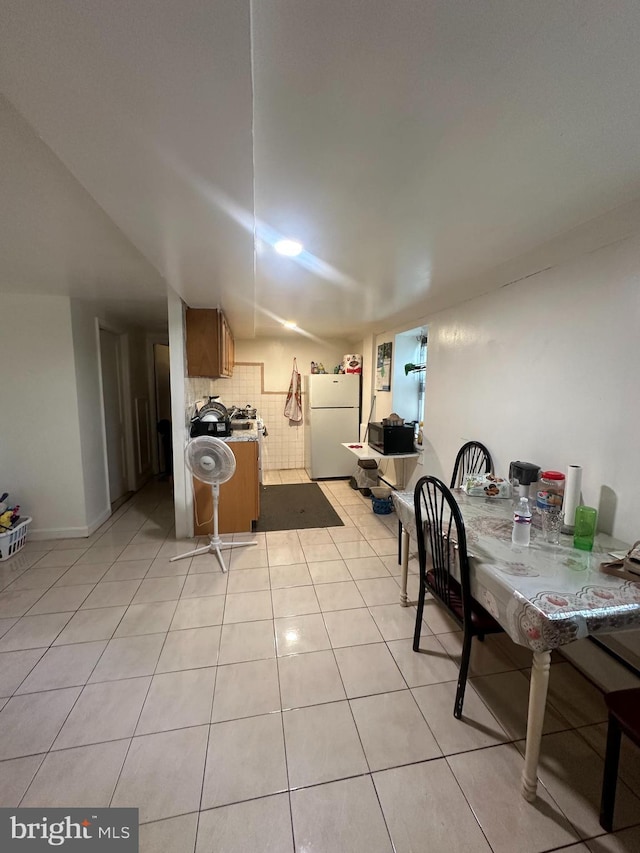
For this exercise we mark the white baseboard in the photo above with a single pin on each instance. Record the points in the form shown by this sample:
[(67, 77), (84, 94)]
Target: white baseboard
[(69, 532), (58, 533), (95, 524)]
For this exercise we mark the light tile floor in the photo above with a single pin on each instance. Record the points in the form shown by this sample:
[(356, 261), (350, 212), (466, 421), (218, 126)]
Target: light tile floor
[(284, 477), (281, 707)]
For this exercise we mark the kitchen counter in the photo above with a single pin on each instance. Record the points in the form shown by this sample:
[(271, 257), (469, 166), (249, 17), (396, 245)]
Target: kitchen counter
[(240, 496), (239, 435)]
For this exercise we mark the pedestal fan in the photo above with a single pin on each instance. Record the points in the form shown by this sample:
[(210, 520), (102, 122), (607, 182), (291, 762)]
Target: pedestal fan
[(211, 461)]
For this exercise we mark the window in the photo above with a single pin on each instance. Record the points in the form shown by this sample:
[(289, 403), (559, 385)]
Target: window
[(422, 373), (409, 374)]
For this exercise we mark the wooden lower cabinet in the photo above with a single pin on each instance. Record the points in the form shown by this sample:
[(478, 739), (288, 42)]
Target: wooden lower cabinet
[(239, 497)]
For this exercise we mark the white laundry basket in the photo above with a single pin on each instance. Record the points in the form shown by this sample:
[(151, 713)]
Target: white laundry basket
[(12, 541)]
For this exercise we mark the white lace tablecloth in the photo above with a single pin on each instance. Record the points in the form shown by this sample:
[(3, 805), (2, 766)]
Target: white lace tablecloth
[(543, 595)]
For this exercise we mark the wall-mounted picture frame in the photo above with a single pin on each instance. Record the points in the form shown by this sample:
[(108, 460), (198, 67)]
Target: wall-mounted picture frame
[(383, 367)]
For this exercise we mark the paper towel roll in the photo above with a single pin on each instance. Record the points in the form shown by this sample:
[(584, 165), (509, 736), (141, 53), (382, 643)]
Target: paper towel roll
[(572, 487)]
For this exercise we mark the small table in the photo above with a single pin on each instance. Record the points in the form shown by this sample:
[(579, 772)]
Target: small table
[(365, 451), (543, 595)]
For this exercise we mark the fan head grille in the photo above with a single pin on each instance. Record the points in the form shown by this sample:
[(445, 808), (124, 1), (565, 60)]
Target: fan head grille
[(210, 459)]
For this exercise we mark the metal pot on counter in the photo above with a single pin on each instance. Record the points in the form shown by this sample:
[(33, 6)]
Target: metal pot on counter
[(249, 412)]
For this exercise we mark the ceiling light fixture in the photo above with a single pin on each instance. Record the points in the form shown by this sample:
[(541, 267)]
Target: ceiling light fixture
[(288, 248), (289, 324)]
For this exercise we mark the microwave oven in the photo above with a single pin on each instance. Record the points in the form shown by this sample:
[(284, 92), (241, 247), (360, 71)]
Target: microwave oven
[(390, 439)]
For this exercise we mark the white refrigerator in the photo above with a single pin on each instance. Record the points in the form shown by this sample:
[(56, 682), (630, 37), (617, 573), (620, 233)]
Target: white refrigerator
[(331, 405)]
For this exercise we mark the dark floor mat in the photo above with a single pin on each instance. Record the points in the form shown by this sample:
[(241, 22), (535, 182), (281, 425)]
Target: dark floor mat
[(300, 505)]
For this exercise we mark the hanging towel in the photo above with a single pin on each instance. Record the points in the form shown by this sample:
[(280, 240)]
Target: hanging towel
[(293, 406)]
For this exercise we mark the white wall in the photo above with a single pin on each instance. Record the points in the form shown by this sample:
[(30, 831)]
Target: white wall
[(366, 348), (182, 494), (277, 354), (546, 370), (51, 451), (87, 375), (40, 455)]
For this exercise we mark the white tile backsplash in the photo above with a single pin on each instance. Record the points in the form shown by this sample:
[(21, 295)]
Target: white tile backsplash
[(283, 447)]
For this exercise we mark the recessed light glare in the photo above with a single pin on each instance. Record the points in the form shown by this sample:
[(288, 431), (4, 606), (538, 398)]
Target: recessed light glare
[(289, 324), (288, 248)]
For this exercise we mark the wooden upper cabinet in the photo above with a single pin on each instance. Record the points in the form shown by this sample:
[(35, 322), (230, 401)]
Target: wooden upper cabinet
[(210, 348), (228, 347)]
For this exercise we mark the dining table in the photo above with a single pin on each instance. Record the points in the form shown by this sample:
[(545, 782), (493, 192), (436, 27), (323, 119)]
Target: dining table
[(544, 595)]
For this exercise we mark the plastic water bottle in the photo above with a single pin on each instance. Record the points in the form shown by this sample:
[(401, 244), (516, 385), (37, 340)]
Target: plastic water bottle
[(521, 534)]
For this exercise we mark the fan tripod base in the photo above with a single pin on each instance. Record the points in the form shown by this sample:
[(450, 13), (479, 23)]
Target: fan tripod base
[(214, 547)]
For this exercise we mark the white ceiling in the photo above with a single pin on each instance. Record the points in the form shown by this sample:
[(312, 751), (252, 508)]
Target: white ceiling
[(417, 149), (55, 239)]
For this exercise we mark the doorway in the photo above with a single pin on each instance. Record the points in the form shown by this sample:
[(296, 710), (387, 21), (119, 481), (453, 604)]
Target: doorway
[(162, 381), (110, 364)]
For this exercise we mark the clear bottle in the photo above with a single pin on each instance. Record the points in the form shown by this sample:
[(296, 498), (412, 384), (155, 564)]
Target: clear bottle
[(521, 533), (551, 491)]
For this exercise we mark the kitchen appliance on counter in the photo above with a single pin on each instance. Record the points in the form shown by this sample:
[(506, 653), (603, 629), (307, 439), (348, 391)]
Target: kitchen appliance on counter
[(247, 413), (331, 416), (525, 473), (210, 419), (391, 439)]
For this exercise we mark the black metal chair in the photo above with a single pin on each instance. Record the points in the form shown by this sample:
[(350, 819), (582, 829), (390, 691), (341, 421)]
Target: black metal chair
[(472, 458), (624, 718), (440, 527)]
